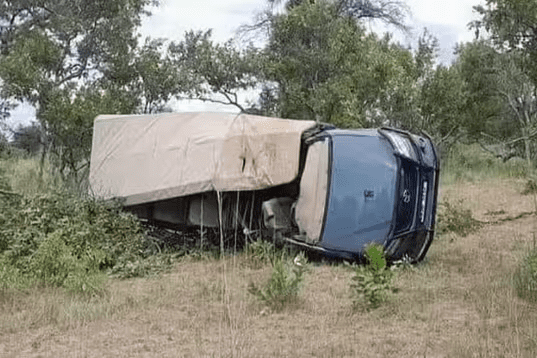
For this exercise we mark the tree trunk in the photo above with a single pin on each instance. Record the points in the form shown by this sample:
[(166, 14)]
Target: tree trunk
[(527, 151)]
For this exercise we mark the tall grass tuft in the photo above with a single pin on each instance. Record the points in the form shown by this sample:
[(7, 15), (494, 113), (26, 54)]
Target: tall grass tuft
[(525, 277)]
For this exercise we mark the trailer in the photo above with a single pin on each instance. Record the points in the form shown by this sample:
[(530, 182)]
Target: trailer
[(327, 189)]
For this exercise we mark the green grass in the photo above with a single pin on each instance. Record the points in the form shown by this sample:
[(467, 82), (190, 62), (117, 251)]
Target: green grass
[(470, 163)]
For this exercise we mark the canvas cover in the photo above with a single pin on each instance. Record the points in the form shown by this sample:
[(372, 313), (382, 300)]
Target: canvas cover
[(146, 158)]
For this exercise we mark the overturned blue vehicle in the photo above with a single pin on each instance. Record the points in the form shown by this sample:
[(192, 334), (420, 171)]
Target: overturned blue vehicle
[(331, 190), (381, 187)]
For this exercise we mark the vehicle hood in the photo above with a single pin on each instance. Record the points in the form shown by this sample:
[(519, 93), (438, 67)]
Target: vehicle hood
[(362, 192)]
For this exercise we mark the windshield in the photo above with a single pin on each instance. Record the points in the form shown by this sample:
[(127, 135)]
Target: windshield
[(362, 192)]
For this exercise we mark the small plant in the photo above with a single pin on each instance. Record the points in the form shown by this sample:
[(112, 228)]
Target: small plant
[(525, 277), (372, 283), (284, 284), (454, 217)]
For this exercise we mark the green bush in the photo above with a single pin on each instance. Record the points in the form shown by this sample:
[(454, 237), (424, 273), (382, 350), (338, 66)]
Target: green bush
[(58, 238), (285, 282), (525, 277), (53, 260), (372, 284)]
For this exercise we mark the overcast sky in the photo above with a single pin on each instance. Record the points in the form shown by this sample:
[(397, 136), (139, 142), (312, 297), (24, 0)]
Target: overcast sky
[(445, 19)]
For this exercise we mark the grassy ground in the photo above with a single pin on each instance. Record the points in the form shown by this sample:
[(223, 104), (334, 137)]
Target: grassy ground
[(459, 303)]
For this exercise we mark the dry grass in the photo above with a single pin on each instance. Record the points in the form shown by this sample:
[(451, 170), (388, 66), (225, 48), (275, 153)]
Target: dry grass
[(459, 303)]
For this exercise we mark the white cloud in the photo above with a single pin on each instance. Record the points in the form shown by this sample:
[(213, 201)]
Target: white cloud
[(449, 12), (174, 17)]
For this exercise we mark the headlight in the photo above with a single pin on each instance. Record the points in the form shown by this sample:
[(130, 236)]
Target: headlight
[(402, 145)]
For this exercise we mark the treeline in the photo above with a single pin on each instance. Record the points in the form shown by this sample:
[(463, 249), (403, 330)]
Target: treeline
[(75, 59)]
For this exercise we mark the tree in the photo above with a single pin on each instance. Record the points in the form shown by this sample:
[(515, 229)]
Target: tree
[(512, 25), (321, 64), (6, 107), (216, 72), (390, 12), (442, 104), (398, 98), (54, 51), (475, 61), (501, 98), (147, 75), (47, 44), (519, 93)]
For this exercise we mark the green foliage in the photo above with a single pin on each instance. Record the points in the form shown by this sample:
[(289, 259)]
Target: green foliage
[(475, 61), (509, 60), (157, 77), (58, 56), (511, 25), (372, 283), (525, 277), (325, 66), (285, 282), (12, 277), (54, 237), (217, 72), (28, 138), (442, 103), (454, 217)]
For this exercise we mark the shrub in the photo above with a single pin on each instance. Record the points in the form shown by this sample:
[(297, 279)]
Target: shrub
[(372, 283), (454, 217), (53, 260), (285, 282), (58, 238)]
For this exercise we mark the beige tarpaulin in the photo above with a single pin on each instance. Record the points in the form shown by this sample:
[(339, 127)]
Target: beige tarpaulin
[(145, 158)]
